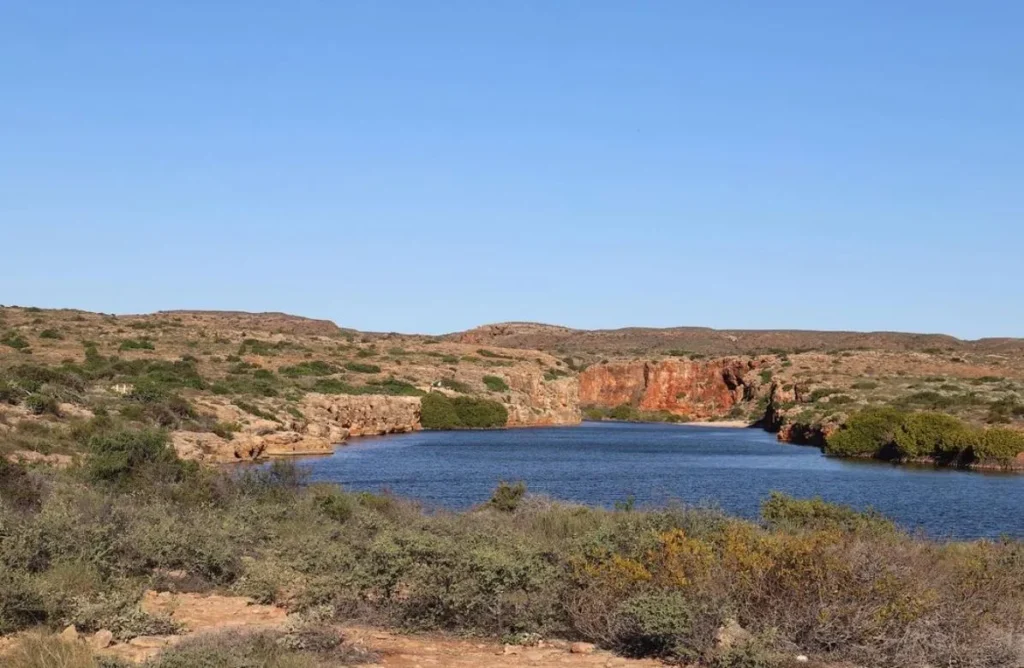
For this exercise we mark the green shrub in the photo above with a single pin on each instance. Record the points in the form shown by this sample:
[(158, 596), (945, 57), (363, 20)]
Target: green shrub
[(999, 444), (1004, 410), (929, 434), (477, 413), (18, 488), (392, 386), (766, 376), (483, 352), (360, 367), (661, 624), (51, 334), (333, 386), (314, 368), (39, 404), (136, 344), (928, 399), (125, 456), (622, 412), (263, 348), (864, 385), (14, 340), (253, 409), (506, 496), (496, 384), (820, 393), (333, 504), (300, 648), (438, 412), (747, 654), (226, 430), (866, 433), (455, 385), (784, 512)]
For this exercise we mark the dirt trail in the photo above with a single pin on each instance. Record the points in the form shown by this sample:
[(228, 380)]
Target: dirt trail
[(423, 651), (197, 613)]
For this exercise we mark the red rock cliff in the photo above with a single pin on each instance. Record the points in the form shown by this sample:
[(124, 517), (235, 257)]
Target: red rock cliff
[(695, 389)]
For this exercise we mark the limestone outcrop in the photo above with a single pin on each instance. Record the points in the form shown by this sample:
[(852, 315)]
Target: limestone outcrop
[(336, 417), (325, 421), (534, 401)]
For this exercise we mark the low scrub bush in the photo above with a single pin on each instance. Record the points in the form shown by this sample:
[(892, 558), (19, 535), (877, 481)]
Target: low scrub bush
[(496, 384), (361, 367), (19, 489), (263, 348), (784, 512), (302, 648), (506, 496), (136, 344), (40, 404), (313, 368), (661, 624), (14, 340), (125, 457), (455, 385)]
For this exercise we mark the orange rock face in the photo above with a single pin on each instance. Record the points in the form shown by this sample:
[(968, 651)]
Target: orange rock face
[(698, 390)]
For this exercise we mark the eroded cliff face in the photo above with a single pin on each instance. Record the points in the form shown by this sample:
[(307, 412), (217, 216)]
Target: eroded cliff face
[(695, 389), (533, 401)]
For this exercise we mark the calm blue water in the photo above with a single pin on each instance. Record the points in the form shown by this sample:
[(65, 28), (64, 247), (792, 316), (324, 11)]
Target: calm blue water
[(733, 469)]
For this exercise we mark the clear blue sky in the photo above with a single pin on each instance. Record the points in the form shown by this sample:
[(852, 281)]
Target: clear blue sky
[(429, 166)]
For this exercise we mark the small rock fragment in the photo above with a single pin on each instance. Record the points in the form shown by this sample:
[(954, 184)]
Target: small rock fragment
[(101, 639), (581, 648), (70, 633)]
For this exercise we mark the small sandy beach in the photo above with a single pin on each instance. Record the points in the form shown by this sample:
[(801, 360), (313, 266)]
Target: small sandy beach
[(731, 424)]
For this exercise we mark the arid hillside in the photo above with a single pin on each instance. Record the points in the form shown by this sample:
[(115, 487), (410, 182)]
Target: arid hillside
[(643, 341), (233, 386), (239, 386)]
